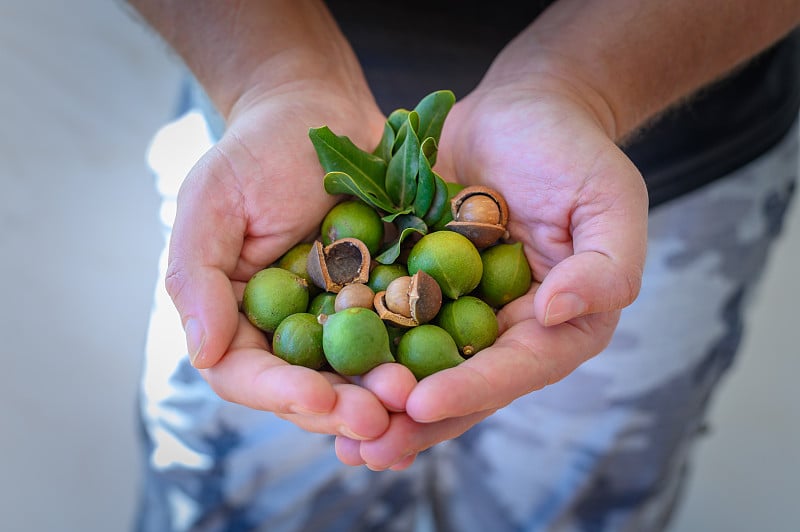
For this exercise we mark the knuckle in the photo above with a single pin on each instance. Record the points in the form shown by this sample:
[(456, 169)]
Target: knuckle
[(219, 385), (175, 280), (632, 284)]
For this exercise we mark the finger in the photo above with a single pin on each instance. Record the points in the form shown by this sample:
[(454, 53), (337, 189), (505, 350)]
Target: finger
[(249, 375), (405, 438), (205, 244), (527, 357), (347, 451), (317, 401), (405, 463), (259, 380), (392, 384), (609, 235), (357, 414)]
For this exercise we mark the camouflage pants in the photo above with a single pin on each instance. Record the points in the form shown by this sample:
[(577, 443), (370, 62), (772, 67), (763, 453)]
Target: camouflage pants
[(605, 449)]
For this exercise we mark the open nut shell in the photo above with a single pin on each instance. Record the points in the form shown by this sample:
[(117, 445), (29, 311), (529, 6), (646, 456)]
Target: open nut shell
[(383, 311), (425, 300), (481, 190), (481, 234), (342, 262), (425, 297)]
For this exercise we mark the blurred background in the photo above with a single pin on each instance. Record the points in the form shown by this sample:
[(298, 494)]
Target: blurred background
[(84, 87)]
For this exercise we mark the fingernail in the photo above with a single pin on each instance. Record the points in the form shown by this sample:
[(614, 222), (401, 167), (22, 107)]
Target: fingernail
[(563, 307), (346, 432), (303, 411), (403, 463), (195, 338)]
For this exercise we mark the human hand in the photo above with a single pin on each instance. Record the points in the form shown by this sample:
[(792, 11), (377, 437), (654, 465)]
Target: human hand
[(249, 199), (579, 207)]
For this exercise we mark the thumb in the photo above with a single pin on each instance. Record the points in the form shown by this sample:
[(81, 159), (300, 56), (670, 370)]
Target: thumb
[(204, 248), (206, 303), (586, 283), (605, 271)]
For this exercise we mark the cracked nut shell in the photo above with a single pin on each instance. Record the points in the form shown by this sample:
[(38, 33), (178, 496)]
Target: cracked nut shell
[(480, 214), (409, 301), (342, 262)]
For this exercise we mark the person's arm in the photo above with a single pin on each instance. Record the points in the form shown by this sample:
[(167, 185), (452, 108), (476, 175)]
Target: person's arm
[(543, 127), (241, 46), (632, 59), (273, 68), (624, 62), (242, 53)]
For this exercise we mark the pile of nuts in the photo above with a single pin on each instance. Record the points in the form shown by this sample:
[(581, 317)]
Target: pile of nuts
[(426, 295)]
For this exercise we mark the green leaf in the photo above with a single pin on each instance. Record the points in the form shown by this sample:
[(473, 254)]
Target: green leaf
[(389, 218), (409, 220), (407, 225), (384, 147), (339, 154), (439, 203), (432, 111), (401, 174), (397, 118), (431, 150), (453, 188), (413, 119), (426, 184), (428, 149), (365, 189)]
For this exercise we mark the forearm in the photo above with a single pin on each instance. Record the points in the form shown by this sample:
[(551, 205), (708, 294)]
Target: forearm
[(631, 59), (234, 46)]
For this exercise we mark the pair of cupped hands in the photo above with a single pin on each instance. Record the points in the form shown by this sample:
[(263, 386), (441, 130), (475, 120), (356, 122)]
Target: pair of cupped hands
[(576, 202)]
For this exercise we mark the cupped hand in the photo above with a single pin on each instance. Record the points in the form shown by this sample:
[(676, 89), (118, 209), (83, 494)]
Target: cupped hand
[(253, 196), (579, 207)]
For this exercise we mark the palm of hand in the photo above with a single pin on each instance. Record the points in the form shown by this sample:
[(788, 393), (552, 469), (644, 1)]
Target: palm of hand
[(249, 199), (579, 207), (258, 192)]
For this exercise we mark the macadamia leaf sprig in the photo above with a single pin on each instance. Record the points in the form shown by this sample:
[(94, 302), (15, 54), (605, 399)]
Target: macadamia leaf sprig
[(397, 177)]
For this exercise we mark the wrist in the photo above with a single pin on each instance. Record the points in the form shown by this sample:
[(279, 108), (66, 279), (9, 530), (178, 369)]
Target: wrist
[(248, 46), (296, 105), (306, 73), (629, 60), (550, 77)]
